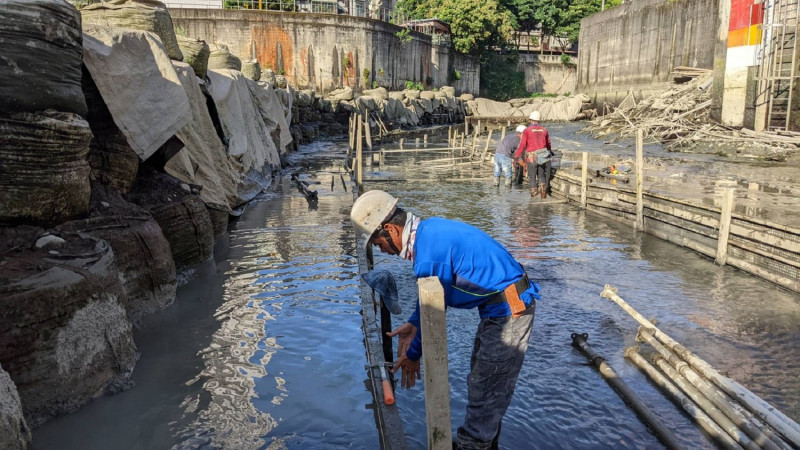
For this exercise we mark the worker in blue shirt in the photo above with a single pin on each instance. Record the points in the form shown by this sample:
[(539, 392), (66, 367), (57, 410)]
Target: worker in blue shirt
[(476, 272)]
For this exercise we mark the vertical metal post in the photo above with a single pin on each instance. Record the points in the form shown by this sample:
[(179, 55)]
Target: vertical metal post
[(434, 357), (724, 226), (639, 225), (584, 178)]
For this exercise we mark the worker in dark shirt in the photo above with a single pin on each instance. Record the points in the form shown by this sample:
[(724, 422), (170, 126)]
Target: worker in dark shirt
[(504, 156)]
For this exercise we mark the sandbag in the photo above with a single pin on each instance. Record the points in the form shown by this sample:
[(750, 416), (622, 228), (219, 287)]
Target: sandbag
[(45, 175), (195, 53), (182, 216), (64, 336), (222, 58), (14, 431), (142, 252), (252, 70), (114, 163), (145, 15), (40, 56), (187, 226)]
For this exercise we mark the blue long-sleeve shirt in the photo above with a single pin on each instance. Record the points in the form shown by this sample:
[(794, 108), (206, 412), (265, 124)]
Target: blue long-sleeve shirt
[(471, 266)]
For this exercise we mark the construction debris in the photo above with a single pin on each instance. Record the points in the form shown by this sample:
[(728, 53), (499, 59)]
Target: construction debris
[(679, 118)]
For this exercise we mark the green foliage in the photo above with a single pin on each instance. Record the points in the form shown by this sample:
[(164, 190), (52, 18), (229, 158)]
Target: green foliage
[(180, 31), (455, 75), (345, 61), (365, 74), (414, 85), (567, 60), (374, 85), (542, 95), (281, 72), (578, 9), (476, 25), (404, 35), (380, 71), (499, 77)]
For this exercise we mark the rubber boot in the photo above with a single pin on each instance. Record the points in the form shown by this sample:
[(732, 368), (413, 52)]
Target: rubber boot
[(534, 191), (508, 181), (543, 190), (497, 181)]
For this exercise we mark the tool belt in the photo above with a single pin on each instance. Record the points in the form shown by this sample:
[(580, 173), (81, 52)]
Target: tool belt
[(510, 295)]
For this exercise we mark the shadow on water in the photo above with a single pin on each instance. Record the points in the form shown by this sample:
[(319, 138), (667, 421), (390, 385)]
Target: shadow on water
[(264, 347)]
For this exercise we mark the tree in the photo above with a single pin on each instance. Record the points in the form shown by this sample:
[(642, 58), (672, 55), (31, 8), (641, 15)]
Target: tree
[(578, 9), (475, 25)]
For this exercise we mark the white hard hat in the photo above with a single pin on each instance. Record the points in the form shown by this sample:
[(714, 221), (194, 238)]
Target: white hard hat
[(521, 128), (535, 115), (370, 211)]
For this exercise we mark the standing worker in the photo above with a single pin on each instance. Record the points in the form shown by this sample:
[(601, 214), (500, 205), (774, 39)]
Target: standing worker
[(504, 154), (476, 272), (535, 144)]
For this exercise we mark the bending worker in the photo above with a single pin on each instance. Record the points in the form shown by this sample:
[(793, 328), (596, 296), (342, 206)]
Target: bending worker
[(476, 272), (504, 154), (535, 143)]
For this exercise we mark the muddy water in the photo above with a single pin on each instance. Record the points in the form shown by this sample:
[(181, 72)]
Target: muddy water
[(263, 348)]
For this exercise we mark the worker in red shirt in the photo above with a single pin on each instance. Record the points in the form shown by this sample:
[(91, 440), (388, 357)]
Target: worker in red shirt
[(534, 148)]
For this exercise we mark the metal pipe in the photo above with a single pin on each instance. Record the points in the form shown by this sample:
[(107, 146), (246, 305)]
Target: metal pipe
[(712, 393), (666, 435), (788, 428), (679, 398), (709, 408)]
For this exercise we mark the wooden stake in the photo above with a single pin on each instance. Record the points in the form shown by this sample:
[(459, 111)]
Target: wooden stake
[(358, 161), (639, 225), (434, 357), (367, 132), (724, 226), (584, 178)]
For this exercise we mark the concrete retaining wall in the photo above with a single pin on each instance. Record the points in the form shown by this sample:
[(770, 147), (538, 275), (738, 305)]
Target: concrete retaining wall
[(323, 51), (547, 74), (634, 46)]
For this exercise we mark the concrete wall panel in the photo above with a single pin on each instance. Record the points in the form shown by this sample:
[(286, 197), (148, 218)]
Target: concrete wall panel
[(634, 46), (324, 51)]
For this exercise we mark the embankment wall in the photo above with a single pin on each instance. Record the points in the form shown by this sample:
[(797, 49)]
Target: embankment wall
[(634, 46), (547, 73), (324, 51)]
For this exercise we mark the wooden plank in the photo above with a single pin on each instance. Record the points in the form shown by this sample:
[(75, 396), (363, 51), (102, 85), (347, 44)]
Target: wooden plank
[(724, 226), (434, 356), (359, 168)]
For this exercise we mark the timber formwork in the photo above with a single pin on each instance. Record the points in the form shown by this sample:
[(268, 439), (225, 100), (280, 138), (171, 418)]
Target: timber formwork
[(760, 247), (375, 321)]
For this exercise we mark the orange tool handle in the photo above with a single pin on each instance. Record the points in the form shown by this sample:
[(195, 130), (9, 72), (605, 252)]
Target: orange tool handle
[(388, 394)]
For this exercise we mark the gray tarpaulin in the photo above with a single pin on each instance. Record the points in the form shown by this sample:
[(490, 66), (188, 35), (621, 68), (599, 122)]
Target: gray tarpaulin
[(203, 160), (560, 109), (136, 79), (250, 147)]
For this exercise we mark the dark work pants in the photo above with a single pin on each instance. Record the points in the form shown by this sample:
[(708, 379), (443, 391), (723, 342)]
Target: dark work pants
[(500, 346), (539, 174)]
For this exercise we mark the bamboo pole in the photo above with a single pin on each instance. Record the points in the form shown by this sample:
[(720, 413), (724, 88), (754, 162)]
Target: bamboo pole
[(639, 224), (463, 148), (474, 142), (637, 404), (584, 178), (425, 140), (700, 418), (724, 226), (434, 356), (785, 426), (703, 402), (708, 391)]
